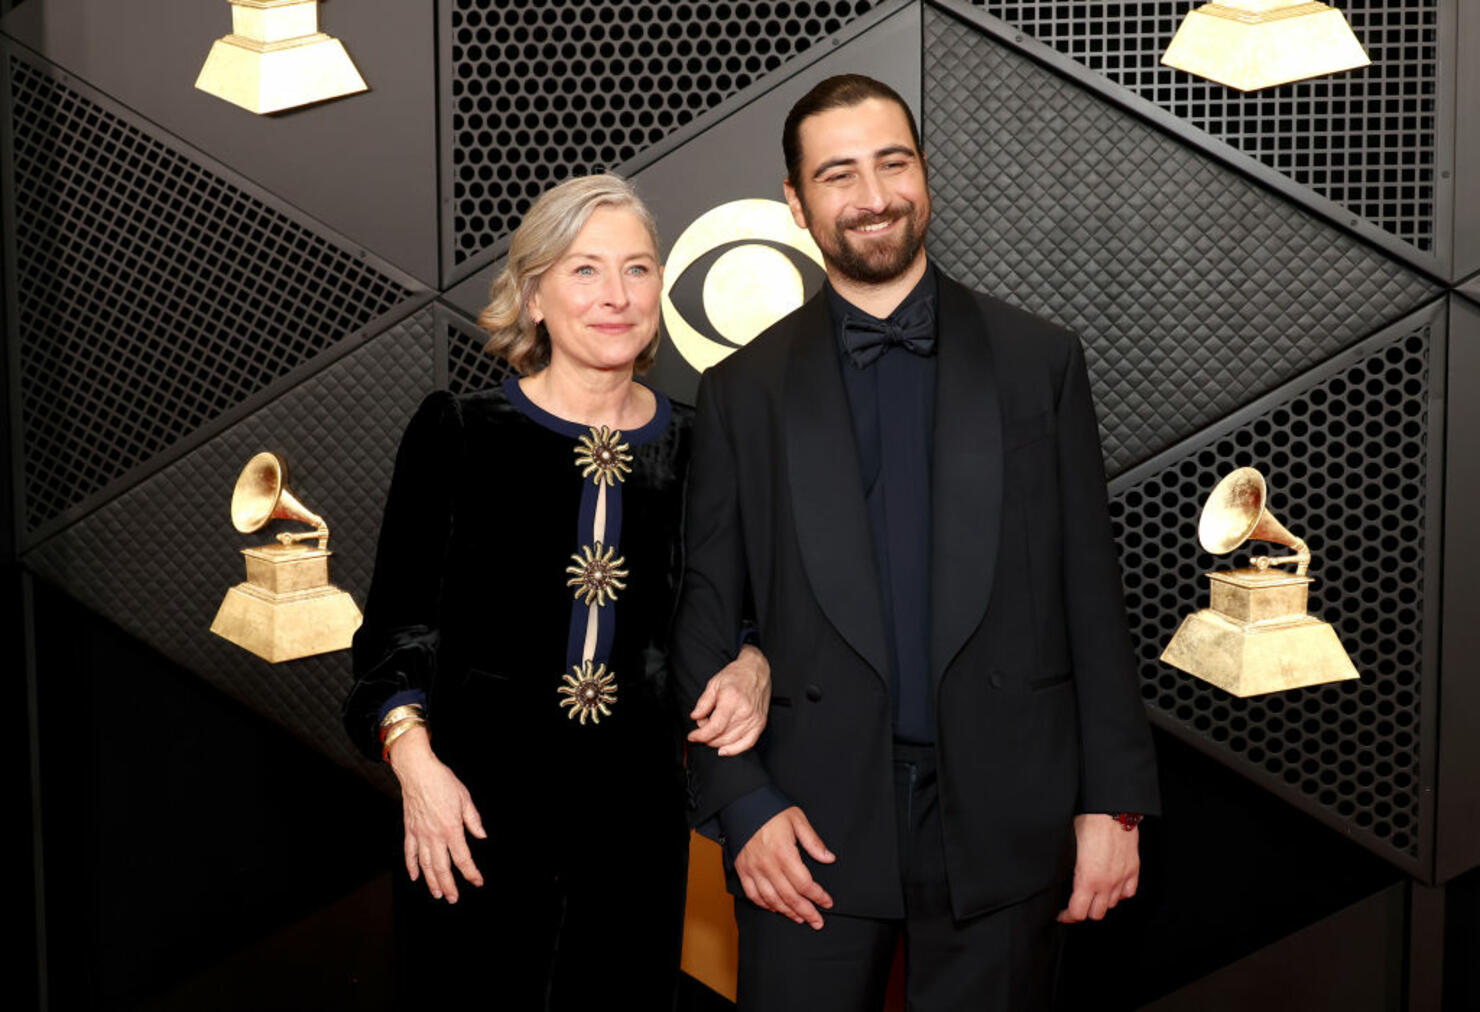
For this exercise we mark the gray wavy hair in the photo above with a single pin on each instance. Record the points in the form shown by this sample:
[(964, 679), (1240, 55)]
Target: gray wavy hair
[(549, 227)]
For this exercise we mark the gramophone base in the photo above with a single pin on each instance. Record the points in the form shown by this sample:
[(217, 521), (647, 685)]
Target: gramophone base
[(284, 627), (271, 77), (1252, 659), (1260, 51)]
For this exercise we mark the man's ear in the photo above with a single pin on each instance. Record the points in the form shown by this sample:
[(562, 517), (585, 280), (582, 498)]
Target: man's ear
[(794, 201)]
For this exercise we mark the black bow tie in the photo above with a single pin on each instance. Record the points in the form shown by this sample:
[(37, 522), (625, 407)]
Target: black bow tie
[(911, 327)]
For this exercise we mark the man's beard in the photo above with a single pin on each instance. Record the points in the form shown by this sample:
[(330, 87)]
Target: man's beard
[(876, 261)]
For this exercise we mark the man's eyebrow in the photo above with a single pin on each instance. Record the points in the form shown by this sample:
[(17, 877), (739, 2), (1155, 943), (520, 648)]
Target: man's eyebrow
[(893, 149), (832, 163)]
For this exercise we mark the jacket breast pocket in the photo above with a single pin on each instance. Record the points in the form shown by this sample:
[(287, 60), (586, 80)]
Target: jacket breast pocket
[(1018, 433), (1030, 457)]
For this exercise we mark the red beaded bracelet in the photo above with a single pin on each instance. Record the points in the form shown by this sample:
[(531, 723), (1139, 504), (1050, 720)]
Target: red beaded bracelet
[(1128, 820)]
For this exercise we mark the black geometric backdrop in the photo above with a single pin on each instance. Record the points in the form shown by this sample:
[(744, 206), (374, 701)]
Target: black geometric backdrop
[(1194, 289), (1346, 450), (1367, 139), (158, 558), (154, 293), (541, 92)]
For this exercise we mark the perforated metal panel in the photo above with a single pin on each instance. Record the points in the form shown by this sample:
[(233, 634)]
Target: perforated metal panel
[(1346, 457), (543, 91), (1194, 289), (1367, 139), (153, 293), (338, 433)]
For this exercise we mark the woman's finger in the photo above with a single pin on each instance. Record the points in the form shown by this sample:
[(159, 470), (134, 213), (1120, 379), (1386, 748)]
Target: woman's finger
[(430, 872), (705, 702), (410, 847), (463, 859), (472, 819)]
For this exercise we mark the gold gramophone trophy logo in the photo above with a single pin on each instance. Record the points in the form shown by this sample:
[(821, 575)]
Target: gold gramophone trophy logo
[(287, 608), (1256, 635)]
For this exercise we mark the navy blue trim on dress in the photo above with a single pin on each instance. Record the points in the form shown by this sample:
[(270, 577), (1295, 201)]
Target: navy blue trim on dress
[(402, 698), (606, 616), (644, 433)]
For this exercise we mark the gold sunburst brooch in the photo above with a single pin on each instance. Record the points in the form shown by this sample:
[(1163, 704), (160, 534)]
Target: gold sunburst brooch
[(596, 575), (588, 692), (603, 456)]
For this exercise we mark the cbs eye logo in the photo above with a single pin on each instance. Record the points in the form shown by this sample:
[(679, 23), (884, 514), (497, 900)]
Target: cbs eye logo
[(749, 257)]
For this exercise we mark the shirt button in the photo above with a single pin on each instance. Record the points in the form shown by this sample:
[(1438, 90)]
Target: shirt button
[(998, 679), (814, 693)]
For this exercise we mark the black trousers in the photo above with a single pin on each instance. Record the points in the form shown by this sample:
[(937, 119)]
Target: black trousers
[(1004, 960)]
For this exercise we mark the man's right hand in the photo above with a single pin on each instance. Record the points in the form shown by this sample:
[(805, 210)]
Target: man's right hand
[(772, 872)]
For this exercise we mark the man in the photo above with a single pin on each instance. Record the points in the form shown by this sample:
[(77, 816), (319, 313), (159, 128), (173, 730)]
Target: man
[(906, 478)]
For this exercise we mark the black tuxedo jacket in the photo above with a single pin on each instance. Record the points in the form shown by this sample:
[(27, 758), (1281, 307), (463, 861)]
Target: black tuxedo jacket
[(1038, 715)]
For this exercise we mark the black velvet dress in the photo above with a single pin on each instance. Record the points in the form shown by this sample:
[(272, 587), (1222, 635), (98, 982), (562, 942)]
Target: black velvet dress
[(524, 583)]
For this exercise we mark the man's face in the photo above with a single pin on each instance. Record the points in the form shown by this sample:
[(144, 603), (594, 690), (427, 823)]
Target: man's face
[(862, 191)]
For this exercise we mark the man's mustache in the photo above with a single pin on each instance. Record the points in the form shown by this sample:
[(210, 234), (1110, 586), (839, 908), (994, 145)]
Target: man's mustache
[(891, 213)]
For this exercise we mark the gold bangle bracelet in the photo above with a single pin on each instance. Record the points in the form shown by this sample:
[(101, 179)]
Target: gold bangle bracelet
[(396, 732), (401, 713)]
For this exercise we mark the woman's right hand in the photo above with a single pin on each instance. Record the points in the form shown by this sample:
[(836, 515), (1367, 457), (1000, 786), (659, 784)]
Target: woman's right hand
[(436, 806)]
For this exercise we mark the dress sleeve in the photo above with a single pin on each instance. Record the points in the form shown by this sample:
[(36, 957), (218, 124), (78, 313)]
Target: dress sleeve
[(395, 648)]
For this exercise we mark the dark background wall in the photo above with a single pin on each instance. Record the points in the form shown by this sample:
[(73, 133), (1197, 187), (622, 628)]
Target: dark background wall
[(1286, 279)]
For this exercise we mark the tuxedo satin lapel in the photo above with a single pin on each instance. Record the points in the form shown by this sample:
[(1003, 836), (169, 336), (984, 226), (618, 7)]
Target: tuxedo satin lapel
[(827, 489), (966, 484)]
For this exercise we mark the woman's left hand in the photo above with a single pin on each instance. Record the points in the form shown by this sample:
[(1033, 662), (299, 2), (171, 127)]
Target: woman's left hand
[(731, 712)]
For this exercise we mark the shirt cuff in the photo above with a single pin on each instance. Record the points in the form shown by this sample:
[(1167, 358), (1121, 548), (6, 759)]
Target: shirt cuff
[(739, 820), (403, 698)]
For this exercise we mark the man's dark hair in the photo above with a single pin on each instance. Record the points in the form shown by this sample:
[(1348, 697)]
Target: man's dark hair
[(838, 92)]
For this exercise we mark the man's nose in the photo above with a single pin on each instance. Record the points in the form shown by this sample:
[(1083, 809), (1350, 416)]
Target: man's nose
[(871, 193)]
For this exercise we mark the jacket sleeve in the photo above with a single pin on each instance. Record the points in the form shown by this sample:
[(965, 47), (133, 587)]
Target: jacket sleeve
[(1119, 761), (395, 648), (711, 600)]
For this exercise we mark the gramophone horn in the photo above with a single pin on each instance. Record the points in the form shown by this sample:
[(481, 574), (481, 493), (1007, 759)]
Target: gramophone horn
[(1235, 512), (261, 495)]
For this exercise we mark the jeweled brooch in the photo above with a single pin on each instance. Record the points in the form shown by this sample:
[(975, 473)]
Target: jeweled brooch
[(604, 456), (597, 576), (589, 692)]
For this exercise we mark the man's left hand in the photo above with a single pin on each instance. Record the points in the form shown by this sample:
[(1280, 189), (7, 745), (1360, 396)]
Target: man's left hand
[(1106, 870)]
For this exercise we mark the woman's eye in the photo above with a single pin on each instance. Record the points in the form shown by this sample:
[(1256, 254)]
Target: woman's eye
[(585, 270), (638, 270)]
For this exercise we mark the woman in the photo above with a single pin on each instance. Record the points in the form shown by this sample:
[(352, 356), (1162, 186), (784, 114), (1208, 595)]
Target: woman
[(511, 663)]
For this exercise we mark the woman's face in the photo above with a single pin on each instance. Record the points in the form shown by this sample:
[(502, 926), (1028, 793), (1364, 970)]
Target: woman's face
[(599, 301)]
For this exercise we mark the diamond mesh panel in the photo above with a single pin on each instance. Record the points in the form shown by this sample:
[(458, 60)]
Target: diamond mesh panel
[(338, 433), (1366, 139), (1346, 459), (545, 91), (152, 294), (1194, 289), (469, 367)]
